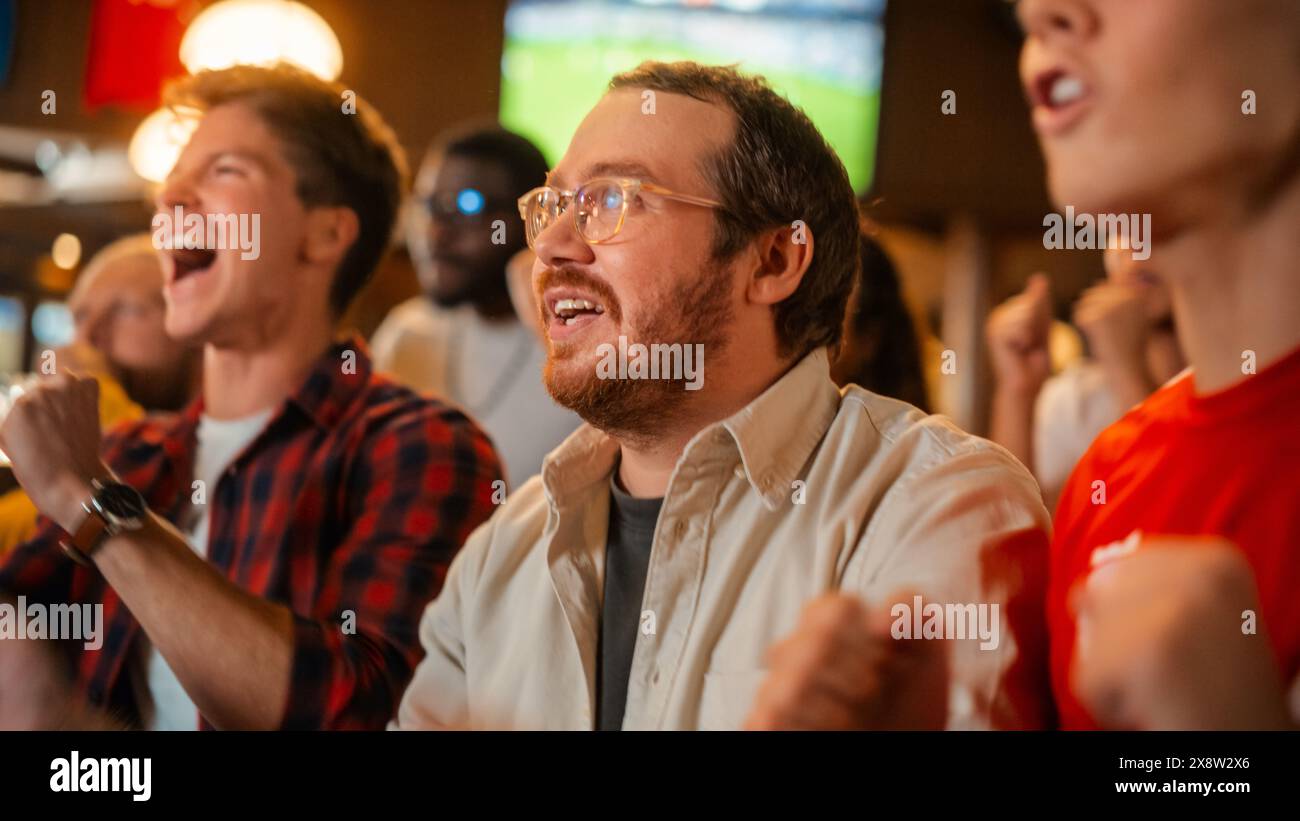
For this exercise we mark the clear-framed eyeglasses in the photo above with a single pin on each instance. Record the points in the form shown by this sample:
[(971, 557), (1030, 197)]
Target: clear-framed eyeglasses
[(602, 206)]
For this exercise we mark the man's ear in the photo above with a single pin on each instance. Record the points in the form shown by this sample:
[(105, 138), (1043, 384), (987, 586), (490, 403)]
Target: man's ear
[(331, 230), (784, 255)]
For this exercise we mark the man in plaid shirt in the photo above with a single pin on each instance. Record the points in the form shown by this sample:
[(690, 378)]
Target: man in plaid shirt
[(296, 519)]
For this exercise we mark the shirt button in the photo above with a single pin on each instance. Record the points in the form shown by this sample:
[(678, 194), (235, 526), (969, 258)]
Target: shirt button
[(679, 530), (654, 679), (740, 471)]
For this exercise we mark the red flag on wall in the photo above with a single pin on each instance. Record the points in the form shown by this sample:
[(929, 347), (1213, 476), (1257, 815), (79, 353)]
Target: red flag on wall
[(134, 48)]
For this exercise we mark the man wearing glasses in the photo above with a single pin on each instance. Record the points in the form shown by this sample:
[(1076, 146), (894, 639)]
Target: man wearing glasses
[(461, 338), (648, 577)]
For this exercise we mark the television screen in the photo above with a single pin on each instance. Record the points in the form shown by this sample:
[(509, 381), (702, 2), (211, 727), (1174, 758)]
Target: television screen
[(824, 55)]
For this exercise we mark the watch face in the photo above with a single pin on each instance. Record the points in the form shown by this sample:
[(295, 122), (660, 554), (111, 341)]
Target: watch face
[(120, 501)]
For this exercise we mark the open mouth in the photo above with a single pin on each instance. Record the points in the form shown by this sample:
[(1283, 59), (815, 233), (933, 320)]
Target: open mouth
[(191, 261), (570, 311), (1057, 89), (1060, 99)]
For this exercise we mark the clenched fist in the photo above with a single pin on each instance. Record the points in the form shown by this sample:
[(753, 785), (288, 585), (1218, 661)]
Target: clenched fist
[(1017, 333), (52, 438), (842, 670), (1161, 645), (1113, 318)]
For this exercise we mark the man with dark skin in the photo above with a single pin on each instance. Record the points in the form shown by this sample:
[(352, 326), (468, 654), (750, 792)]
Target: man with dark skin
[(461, 338)]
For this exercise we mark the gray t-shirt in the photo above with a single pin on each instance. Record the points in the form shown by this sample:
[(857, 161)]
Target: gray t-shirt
[(627, 557)]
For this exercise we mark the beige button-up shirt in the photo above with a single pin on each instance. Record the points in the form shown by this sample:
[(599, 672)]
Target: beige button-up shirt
[(806, 490)]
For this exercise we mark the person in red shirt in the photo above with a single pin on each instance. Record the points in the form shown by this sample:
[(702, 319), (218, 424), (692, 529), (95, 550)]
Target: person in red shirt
[(1176, 559)]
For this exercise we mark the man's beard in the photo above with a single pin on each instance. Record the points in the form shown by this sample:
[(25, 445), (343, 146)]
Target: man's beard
[(697, 312)]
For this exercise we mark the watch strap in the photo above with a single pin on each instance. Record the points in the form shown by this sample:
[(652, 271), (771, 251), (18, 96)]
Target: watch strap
[(88, 536)]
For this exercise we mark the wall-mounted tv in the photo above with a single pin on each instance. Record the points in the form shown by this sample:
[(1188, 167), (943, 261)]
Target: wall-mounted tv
[(824, 55)]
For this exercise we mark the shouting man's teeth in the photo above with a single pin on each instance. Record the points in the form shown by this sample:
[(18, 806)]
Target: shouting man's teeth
[(568, 309), (1066, 89)]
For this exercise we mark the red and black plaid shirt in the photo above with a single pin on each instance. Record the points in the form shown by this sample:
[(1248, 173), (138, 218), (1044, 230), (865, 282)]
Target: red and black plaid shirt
[(354, 498)]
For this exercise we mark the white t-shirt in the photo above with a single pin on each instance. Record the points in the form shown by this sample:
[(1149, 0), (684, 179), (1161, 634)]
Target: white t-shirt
[(1071, 410), (219, 442), (491, 369)]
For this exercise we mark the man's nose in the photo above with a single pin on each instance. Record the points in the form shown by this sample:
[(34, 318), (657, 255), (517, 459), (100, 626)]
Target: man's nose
[(1057, 19), (439, 231), (177, 189), (559, 243), (95, 330)]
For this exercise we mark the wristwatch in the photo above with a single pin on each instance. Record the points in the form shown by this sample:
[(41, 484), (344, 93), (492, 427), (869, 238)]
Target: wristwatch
[(113, 508)]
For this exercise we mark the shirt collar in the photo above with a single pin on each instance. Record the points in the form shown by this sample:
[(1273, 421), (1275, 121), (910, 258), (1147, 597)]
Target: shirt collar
[(586, 457), (334, 382), (775, 434), (778, 431)]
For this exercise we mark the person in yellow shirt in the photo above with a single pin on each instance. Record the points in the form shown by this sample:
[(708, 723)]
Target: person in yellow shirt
[(117, 309)]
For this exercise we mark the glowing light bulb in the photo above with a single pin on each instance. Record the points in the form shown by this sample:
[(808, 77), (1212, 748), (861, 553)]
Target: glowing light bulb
[(261, 32), (66, 251)]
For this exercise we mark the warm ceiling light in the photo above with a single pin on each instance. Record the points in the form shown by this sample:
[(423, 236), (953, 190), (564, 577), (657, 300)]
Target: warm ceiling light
[(261, 32), (158, 141), (66, 251)]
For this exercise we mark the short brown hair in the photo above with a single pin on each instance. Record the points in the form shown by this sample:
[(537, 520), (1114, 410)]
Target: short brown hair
[(339, 158), (776, 170)]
